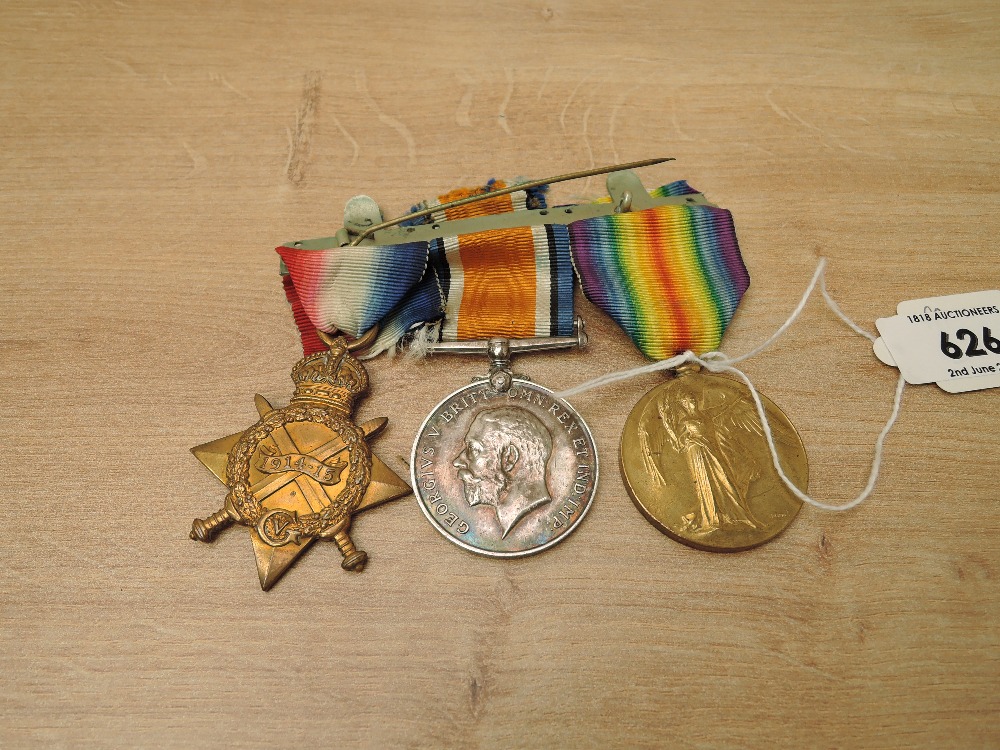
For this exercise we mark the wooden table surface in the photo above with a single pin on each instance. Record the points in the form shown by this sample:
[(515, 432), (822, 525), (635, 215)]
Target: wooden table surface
[(153, 154)]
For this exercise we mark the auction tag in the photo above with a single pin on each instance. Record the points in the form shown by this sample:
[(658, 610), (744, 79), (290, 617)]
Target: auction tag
[(953, 341)]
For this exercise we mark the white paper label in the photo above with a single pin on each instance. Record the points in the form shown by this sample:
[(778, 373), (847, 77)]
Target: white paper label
[(953, 341)]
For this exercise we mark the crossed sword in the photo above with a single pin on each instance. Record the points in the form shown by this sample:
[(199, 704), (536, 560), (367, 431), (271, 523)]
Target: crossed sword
[(205, 529)]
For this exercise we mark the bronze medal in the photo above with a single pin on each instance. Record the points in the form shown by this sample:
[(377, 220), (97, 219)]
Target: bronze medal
[(302, 471), (697, 464)]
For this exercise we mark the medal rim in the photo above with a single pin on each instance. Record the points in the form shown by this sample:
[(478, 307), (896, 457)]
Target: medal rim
[(662, 527), (493, 553)]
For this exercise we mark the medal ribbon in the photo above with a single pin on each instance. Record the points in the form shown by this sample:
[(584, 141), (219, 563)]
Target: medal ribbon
[(671, 276)]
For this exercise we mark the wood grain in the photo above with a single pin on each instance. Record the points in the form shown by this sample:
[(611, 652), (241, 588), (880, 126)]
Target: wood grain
[(154, 153)]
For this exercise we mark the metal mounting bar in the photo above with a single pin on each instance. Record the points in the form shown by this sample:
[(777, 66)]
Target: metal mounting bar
[(536, 344), (507, 191)]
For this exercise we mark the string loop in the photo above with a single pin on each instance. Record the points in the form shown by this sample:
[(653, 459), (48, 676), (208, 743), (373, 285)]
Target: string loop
[(716, 361)]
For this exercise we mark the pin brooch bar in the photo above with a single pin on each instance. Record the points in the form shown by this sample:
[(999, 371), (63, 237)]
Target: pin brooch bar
[(624, 187), (507, 191)]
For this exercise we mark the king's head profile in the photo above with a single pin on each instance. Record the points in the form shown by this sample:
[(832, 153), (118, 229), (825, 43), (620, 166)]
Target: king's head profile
[(504, 464)]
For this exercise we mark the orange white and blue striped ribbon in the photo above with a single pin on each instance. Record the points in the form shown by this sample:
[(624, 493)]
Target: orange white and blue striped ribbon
[(503, 282)]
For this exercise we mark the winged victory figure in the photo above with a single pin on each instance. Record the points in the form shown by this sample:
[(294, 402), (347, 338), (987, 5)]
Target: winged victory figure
[(710, 430)]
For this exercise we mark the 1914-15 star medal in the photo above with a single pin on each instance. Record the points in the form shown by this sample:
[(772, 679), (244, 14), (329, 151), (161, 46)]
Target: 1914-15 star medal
[(303, 470)]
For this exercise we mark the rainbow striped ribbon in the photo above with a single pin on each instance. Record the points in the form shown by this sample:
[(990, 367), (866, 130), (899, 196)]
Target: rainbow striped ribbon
[(670, 276)]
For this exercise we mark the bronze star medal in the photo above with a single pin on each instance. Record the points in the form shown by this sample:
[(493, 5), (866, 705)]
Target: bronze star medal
[(303, 470)]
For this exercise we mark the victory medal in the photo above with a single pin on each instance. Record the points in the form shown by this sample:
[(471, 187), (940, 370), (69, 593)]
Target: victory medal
[(698, 467), (302, 471)]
